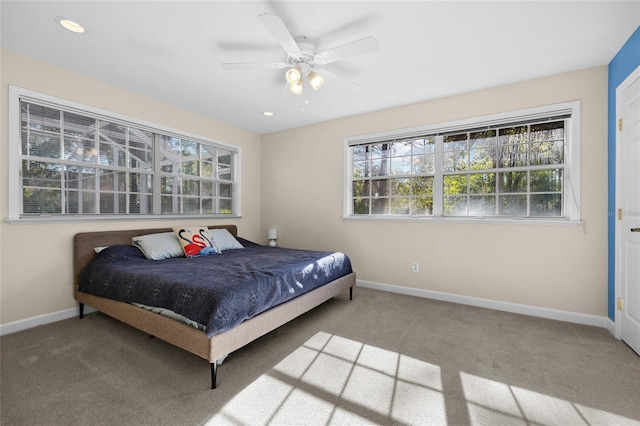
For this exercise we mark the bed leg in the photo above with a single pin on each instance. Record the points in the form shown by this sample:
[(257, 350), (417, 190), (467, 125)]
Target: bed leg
[(81, 306), (214, 374), (350, 293)]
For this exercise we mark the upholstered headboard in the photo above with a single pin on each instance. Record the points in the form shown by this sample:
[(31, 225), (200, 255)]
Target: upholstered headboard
[(84, 243)]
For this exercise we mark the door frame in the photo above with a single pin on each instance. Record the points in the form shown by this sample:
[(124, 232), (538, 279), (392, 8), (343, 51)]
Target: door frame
[(635, 74)]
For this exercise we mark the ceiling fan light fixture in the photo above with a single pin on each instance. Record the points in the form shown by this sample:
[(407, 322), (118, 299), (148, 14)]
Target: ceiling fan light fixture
[(315, 80), (293, 75), (296, 88)]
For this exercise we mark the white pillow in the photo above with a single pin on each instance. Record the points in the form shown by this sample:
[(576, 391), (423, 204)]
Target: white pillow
[(224, 240), (163, 245)]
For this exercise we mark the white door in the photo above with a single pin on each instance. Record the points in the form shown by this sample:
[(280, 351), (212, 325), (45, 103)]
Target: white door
[(628, 220)]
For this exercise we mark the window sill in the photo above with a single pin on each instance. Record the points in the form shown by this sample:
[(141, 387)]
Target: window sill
[(469, 220), (105, 218)]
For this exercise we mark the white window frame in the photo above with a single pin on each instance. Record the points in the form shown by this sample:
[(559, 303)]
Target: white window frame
[(17, 94), (571, 189)]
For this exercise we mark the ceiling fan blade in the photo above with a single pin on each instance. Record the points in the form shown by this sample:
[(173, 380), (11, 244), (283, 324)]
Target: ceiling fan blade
[(346, 51), (282, 35), (254, 65)]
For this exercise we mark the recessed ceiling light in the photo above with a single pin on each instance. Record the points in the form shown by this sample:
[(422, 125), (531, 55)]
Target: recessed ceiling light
[(70, 25), (268, 114)]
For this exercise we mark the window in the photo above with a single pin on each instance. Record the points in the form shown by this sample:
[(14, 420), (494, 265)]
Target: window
[(522, 165), (76, 161)]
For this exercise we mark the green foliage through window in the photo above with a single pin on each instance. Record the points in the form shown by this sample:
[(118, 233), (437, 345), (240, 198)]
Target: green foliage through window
[(500, 171)]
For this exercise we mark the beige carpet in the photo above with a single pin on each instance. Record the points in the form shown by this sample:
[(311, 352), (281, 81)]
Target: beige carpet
[(380, 359)]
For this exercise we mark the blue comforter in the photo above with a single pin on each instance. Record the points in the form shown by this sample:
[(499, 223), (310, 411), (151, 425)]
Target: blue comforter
[(219, 291)]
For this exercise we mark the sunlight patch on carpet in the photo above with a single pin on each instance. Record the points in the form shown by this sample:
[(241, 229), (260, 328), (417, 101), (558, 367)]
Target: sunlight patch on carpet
[(492, 402), (331, 380), (334, 380)]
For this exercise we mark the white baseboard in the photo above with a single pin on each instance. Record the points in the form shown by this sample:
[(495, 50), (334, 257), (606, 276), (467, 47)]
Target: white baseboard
[(516, 308), (15, 326), (494, 304)]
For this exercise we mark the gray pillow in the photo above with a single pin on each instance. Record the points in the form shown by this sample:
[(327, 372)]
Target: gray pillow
[(159, 246)]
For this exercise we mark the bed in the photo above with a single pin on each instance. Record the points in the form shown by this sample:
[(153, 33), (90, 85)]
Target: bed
[(207, 343)]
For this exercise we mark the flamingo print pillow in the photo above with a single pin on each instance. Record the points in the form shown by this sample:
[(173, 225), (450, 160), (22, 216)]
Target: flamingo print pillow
[(196, 241)]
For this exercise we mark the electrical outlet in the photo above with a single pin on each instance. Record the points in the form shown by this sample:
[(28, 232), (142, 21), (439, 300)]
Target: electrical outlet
[(415, 267)]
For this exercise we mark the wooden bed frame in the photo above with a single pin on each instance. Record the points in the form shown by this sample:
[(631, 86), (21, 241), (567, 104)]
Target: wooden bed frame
[(180, 334)]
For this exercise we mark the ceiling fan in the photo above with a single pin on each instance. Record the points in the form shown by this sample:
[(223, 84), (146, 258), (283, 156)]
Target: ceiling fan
[(302, 61)]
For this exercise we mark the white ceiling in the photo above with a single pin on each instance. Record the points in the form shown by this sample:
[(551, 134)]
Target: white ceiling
[(172, 50)]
